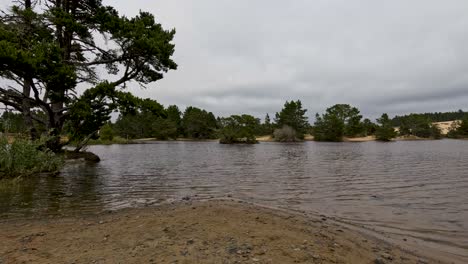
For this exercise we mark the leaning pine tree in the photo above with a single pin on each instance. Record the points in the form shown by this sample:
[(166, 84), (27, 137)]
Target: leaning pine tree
[(48, 48), (385, 130)]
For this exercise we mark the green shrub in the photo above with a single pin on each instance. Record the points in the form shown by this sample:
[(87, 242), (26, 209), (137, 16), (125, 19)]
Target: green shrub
[(23, 158), (238, 129), (106, 133), (385, 130), (459, 129), (285, 134), (99, 141)]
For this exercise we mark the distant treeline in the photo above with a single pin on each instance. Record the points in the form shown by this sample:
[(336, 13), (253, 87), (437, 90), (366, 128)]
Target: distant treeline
[(149, 119), (433, 117)]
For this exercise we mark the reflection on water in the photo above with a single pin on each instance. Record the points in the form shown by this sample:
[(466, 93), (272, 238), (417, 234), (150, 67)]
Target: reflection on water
[(415, 188)]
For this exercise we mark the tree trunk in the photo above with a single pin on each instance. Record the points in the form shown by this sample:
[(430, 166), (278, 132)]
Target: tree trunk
[(26, 107)]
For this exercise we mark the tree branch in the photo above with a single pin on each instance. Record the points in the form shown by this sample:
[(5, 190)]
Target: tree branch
[(9, 103)]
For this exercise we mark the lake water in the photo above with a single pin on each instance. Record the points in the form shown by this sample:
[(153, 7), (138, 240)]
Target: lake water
[(418, 189)]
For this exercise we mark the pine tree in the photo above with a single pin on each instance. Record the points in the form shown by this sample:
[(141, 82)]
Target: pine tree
[(385, 130), (47, 50), (293, 115)]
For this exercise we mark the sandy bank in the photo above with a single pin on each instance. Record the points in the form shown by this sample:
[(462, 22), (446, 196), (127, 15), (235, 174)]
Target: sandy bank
[(199, 232), (269, 138), (446, 126), (359, 139), (143, 140)]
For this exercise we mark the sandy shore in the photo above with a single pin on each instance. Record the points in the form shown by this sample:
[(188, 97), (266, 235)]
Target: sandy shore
[(446, 126), (359, 139), (198, 232)]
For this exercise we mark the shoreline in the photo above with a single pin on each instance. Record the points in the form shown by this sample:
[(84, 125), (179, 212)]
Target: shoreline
[(270, 139), (210, 231)]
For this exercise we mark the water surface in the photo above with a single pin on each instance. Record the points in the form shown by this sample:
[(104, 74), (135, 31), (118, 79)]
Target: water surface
[(415, 188)]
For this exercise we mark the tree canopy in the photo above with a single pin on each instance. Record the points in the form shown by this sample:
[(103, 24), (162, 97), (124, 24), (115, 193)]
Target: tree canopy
[(198, 123), (385, 130), (459, 129), (46, 51), (293, 115), (420, 126), (239, 129), (432, 117), (338, 121)]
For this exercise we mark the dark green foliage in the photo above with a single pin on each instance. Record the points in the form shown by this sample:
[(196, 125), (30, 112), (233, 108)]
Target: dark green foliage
[(293, 115), (130, 126), (418, 125), (175, 116), (145, 125), (432, 117), (328, 127), (164, 128), (369, 128), (239, 129), (23, 158), (147, 119), (338, 121), (459, 129), (47, 51), (267, 127), (93, 110), (354, 126), (463, 128), (385, 130), (436, 133), (106, 132), (151, 120), (11, 122), (14, 122), (199, 124)]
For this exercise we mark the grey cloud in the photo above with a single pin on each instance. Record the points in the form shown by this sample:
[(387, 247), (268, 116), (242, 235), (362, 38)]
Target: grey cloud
[(250, 56)]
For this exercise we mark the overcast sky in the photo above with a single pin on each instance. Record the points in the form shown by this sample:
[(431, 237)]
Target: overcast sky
[(234, 56)]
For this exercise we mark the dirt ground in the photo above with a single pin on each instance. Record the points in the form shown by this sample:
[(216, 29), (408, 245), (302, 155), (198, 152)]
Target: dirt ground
[(194, 232)]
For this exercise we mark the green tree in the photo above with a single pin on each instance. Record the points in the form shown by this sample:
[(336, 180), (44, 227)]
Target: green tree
[(24, 158), (142, 119), (433, 117), (267, 126), (368, 127), (293, 115), (106, 133), (46, 51), (436, 133), (198, 123), (87, 116), (164, 128), (418, 125), (385, 130), (328, 127), (338, 121), (13, 123), (239, 129), (459, 129), (175, 116), (462, 130)]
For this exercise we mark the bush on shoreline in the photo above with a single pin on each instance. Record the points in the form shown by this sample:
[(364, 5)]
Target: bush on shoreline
[(385, 130), (115, 140), (24, 158), (459, 129), (238, 129), (286, 134)]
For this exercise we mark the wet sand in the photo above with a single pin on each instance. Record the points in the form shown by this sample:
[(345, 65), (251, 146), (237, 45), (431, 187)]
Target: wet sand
[(196, 232)]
